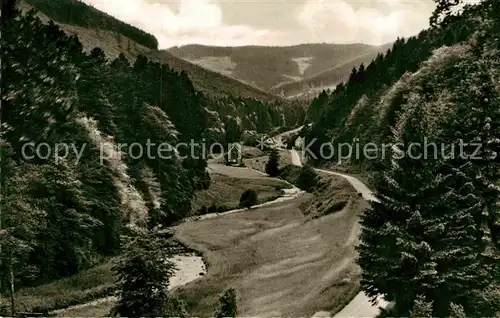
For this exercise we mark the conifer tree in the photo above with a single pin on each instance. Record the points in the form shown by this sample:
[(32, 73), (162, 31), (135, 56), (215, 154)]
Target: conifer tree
[(422, 235), (144, 272), (272, 165), (442, 11), (421, 308)]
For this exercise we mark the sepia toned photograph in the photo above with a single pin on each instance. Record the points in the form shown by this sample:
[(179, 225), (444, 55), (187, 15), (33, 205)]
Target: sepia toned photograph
[(250, 158)]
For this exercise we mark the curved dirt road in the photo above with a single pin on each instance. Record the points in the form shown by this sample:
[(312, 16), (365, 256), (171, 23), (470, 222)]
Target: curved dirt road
[(360, 306)]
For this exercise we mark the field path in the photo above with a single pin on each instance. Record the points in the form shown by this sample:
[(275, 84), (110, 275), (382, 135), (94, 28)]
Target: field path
[(360, 306)]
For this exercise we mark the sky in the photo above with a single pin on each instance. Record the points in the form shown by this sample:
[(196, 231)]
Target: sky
[(276, 23)]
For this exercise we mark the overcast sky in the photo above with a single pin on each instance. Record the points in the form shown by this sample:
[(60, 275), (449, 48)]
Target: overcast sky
[(262, 22)]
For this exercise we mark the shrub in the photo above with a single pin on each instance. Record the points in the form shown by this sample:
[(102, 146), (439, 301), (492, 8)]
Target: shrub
[(337, 206), (175, 308), (248, 199), (228, 307), (203, 210), (212, 209), (308, 179)]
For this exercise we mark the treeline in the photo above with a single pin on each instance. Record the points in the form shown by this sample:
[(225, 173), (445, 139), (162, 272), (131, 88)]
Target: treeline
[(237, 115), (350, 110), (430, 243), (75, 12)]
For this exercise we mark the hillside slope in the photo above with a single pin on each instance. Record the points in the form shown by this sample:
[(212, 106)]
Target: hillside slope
[(267, 67), (327, 79), (424, 122), (113, 43)]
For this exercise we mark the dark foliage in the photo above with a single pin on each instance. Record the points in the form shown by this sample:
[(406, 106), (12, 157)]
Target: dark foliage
[(272, 165), (248, 199), (308, 179), (228, 307), (144, 272)]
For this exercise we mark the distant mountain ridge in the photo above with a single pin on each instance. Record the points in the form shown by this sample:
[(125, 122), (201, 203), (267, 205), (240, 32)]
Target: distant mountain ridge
[(115, 41), (282, 70), (327, 79)]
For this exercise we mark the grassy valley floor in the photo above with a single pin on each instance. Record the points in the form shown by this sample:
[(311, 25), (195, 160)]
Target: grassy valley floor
[(281, 261), (289, 258)]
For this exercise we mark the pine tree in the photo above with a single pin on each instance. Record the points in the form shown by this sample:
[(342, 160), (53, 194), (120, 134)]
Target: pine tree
[(144, 272), (457, 311), (443, 11), (421, 238), (421, 308), (272, 165)]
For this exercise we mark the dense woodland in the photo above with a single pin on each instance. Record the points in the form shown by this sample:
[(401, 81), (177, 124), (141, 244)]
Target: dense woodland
[(62, 216), (431, 244)]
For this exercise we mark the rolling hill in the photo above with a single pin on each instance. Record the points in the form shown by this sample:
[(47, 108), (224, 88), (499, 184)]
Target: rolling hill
[(113, 43), (271, 67), (328, 79)]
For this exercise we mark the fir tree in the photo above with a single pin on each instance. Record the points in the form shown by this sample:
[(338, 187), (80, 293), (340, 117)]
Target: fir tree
[(144, 272), (421, 308), (272, 165)]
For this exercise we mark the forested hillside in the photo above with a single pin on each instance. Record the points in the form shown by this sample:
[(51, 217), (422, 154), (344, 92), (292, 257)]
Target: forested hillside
[(95, 28), (431, 242), (73, 176), (269, 66), (308, 87), (61, 214), (229, 104)]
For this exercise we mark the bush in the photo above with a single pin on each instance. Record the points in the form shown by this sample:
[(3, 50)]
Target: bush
[(212, 209), (337, 206), (308, 179), (248, 199), (228, 307), (203, 210), (175, 308), (223, 208)]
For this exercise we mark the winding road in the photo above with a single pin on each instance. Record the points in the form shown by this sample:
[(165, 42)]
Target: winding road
[(360, 306)]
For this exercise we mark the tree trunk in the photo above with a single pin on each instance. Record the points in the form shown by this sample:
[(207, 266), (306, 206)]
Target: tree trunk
[(11, 271)]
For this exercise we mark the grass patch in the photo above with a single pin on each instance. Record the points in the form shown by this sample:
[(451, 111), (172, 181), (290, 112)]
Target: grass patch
[(259, 163), (225, 192), (86, 286), (290, 173), (279, 261)]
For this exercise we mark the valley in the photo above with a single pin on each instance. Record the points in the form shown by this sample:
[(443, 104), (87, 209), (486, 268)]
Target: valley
[(263, 249), (305, 69), (278, 221)]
